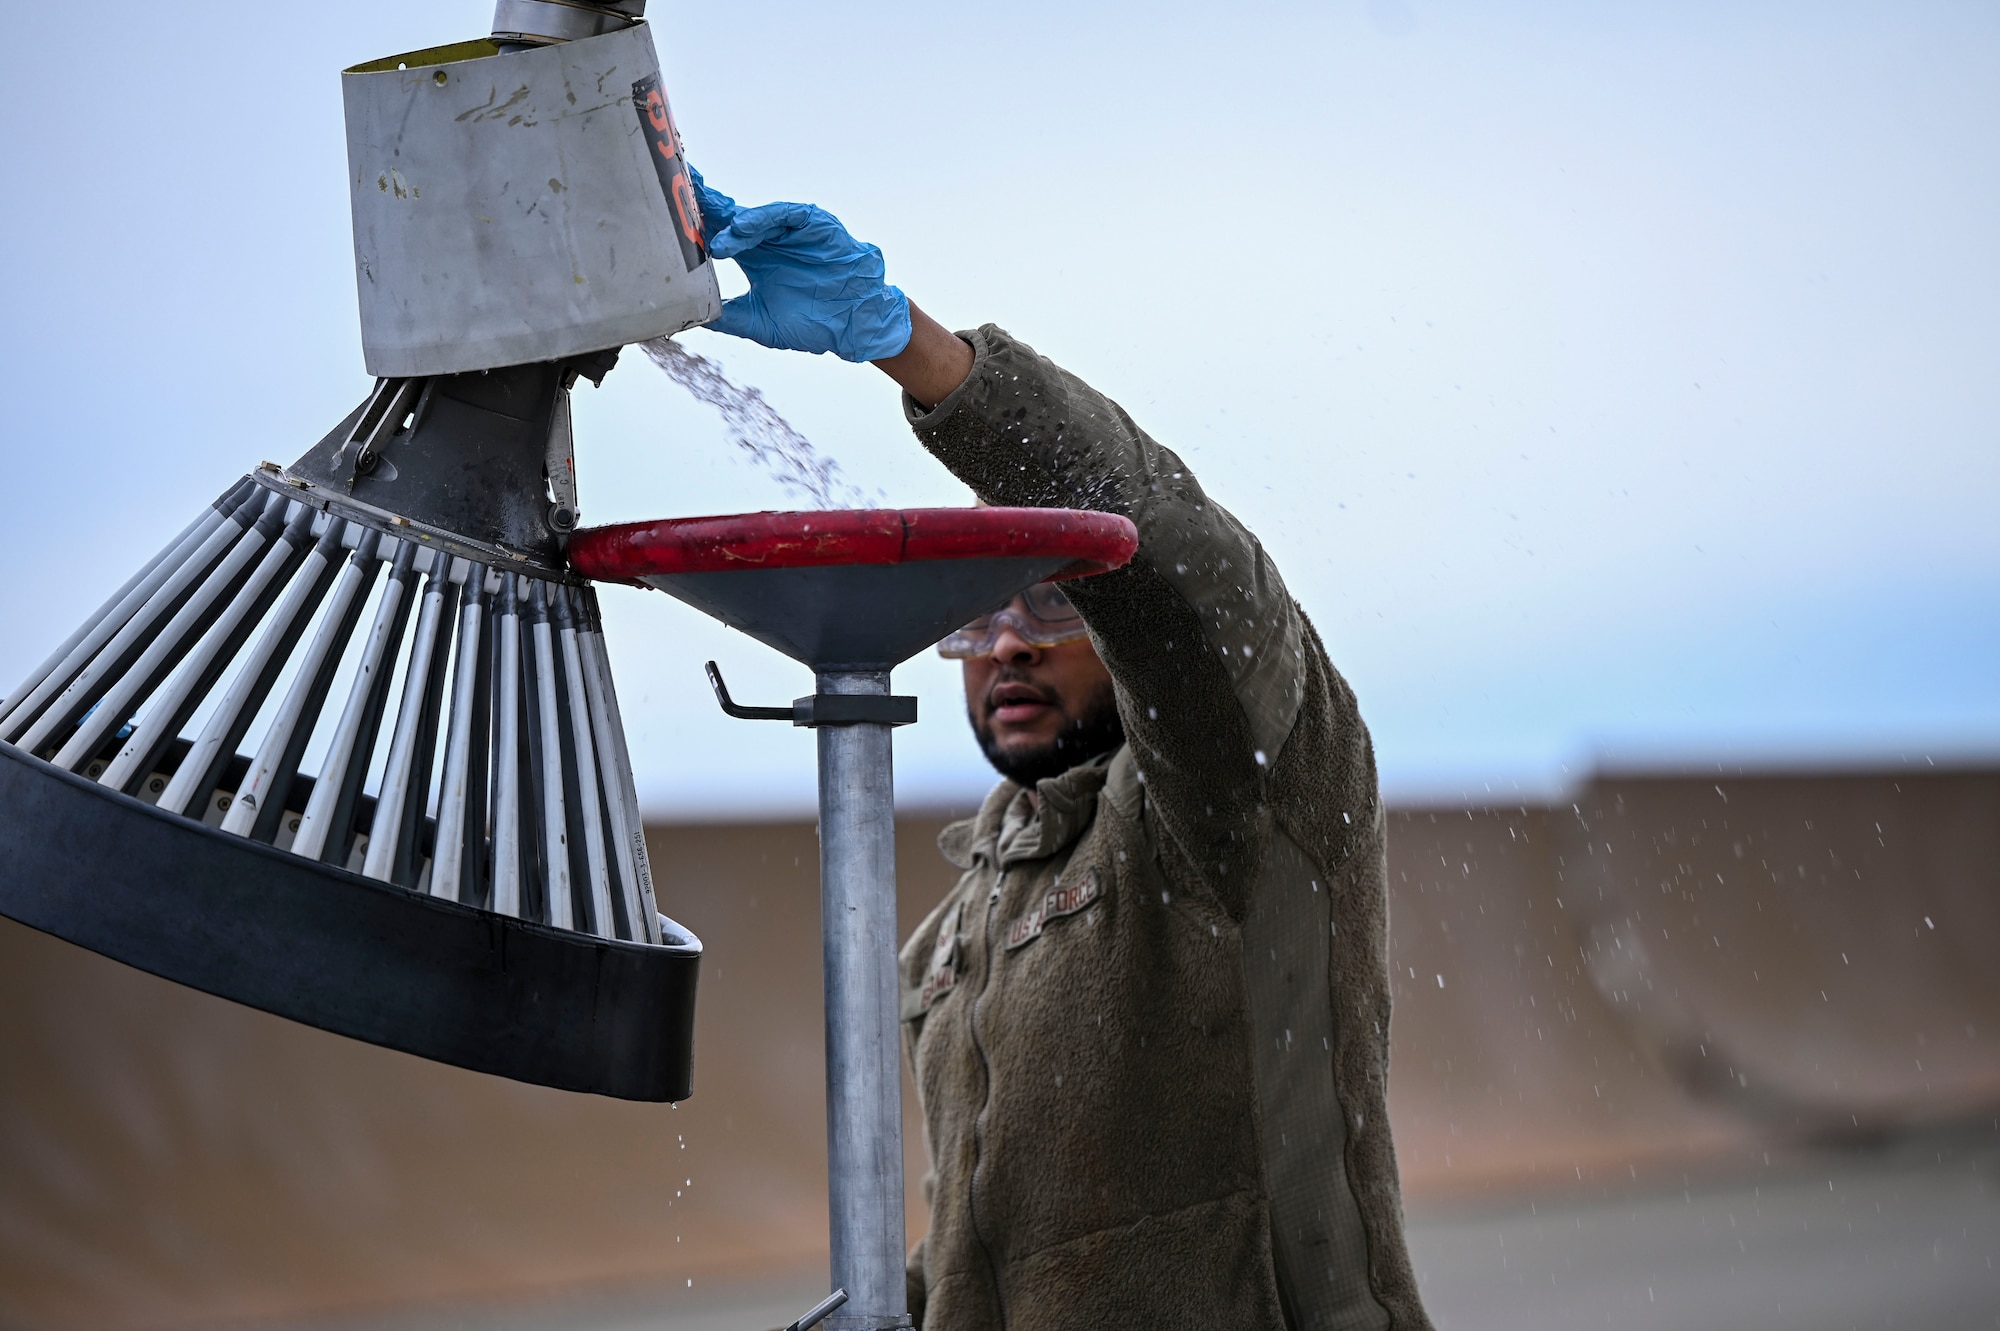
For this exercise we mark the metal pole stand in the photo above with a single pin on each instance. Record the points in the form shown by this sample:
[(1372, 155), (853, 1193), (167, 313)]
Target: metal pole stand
[(852, 594), (864, 1102), (854, 713)]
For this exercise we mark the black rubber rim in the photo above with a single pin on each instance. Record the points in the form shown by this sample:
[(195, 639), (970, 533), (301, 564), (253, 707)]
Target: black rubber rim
[(347, 954)]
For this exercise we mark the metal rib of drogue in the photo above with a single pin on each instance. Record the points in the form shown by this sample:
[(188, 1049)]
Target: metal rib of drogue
[(77, 649), (165, 651), (582, 907), (345, 825), (171, 706), (555, 815), (623, 793), (255, 677), (411, 855), (433, 638), (455, 787), (98, 658), (534, 876), (618, 771), (108, 665), (354, 734), (260, 799), (605, 919), (618, 813), (507, 751), (36, 677), (475, 881)]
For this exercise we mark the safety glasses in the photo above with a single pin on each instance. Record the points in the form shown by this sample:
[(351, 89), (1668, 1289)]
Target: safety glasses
[(1041, 615)]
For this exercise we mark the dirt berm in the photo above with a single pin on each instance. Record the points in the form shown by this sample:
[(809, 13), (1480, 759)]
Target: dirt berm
[(1662, 976)]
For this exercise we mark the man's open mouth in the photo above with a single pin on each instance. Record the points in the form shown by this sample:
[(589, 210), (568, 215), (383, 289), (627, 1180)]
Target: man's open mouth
[(1012, 703)]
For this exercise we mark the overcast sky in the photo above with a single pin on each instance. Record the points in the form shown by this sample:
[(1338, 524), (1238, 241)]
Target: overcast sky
[(1612, 383)]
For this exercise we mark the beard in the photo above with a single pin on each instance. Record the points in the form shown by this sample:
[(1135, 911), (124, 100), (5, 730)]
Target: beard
[(1094, 731)]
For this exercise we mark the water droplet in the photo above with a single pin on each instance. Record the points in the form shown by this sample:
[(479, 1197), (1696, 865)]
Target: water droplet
[(756, 427)]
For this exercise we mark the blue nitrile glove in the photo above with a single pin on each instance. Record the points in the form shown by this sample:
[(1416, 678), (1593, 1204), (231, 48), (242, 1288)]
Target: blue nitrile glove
[(813, 287)]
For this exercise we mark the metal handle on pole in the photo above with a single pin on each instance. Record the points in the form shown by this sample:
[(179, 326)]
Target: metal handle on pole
[(817, 1313), (738, 710), (822, 709)]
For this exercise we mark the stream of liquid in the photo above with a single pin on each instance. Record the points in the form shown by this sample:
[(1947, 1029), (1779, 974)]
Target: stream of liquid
[(757, 428)]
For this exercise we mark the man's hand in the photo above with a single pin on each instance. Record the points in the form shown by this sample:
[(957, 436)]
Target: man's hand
[(814, 287)]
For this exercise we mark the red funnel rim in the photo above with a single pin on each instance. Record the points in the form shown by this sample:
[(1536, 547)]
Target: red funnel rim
[(1093, 542)]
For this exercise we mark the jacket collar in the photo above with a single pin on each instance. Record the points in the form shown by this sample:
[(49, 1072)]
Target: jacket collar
[(1068, 803)]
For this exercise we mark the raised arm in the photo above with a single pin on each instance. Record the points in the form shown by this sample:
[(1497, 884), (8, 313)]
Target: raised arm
[(1199, 633), (1213, 662)]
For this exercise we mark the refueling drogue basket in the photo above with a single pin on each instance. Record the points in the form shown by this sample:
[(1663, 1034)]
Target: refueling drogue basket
[(348, 749)]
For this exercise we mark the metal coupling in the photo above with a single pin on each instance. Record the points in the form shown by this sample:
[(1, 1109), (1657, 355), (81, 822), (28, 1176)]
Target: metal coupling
[(546, 22)]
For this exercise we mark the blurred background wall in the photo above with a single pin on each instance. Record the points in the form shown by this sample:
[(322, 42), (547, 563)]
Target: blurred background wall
[(1663, 986)]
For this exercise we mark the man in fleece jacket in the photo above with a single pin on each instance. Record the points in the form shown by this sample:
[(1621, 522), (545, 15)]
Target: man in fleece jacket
[(1149, 1026)]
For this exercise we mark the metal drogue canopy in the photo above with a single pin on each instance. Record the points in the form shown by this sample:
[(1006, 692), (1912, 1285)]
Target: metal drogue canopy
[(852, 594), (347, 749)]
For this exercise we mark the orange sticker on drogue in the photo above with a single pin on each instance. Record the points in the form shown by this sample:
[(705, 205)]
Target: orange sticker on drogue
[(663, 143)]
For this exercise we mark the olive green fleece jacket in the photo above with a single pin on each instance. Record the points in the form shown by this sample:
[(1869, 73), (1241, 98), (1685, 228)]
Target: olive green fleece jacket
[(1149, 1026)]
